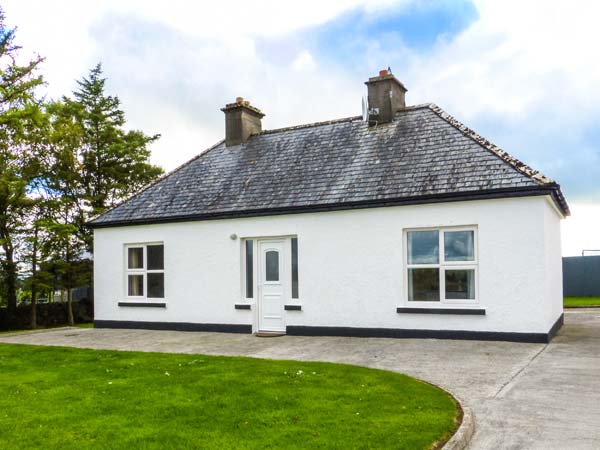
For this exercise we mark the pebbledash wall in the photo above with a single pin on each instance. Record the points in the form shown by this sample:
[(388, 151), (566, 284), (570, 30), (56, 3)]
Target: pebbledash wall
[(351, 272)]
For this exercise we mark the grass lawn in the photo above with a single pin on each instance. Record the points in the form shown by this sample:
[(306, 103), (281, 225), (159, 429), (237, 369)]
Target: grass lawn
[(581, 301), (63, 398)]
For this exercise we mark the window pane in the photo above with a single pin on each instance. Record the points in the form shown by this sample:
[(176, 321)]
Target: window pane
[(423, 247), (135, 257), (249, 269), (459, 246), (272, 265), (424, 285), (156, 285), (135, 285), (156, 256), (294, 267), (460, 284)]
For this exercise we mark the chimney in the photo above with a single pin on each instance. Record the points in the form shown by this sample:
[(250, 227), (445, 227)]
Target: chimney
[(386, 97), (242, 120)]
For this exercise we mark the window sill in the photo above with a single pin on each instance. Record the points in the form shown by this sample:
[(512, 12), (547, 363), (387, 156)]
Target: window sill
[(243, 306), (293, 307), (144, 304), (462, 311)]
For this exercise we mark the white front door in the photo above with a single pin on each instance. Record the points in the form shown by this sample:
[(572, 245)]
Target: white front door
[(271, 285)]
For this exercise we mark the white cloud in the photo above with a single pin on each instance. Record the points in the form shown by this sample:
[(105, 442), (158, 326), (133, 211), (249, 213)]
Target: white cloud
[(516, 58), (524, 72), (528, 68), (304, 61), (177, 85), (60, 29)]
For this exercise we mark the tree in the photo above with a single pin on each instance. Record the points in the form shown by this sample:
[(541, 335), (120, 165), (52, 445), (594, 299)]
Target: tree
[(36, 253), (20, 119), (95, 164), (107, 162), (67, 250)]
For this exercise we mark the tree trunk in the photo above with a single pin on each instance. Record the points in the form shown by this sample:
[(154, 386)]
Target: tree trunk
[(10, 274), (70, 319), (69, 279), (33, 308), (34, 280), (9, 267)]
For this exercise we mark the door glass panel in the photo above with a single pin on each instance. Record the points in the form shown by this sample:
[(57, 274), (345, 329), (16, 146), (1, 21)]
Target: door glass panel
[(135, 285), (156, 256), (294, 267), (272, 265), (156, 285), (424, 285), (135, 258), (460, 284), (423, 247), (249, 269), (458, 246)]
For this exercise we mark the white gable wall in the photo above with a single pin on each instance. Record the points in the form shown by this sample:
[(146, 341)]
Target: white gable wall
[(350, 267), (553, 261)]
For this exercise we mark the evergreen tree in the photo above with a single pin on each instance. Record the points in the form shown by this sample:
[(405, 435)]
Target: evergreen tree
[(107, 162), (21, 119), (95, 164)]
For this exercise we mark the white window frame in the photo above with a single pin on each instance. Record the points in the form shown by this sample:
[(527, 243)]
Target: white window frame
[(144, 271), (443, 265)]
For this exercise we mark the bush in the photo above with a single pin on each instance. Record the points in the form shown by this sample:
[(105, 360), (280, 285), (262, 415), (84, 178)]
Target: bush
[(48, 315)]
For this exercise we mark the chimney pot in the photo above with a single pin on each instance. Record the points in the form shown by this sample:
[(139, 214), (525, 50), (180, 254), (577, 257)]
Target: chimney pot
[(242, 120)]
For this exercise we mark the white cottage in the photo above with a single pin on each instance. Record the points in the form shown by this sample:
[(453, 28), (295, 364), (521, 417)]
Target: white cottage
[(406, 224)]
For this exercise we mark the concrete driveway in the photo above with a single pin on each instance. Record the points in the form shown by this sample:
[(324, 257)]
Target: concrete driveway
[(524, 396)]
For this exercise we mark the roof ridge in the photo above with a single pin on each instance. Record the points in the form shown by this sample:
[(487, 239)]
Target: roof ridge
[(309, 125), (158, 180), (515, 163), (417, 106), (332, 121)]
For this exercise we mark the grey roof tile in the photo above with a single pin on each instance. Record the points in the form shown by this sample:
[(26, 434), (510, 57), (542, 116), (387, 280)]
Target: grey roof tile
[(423, 152)]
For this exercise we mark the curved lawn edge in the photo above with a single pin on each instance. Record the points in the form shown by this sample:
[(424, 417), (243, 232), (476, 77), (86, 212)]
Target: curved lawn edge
[(462, 437), (389, 396), (464, 422)]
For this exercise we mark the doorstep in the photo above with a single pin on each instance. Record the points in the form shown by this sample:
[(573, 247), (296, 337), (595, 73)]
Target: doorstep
[(268, 334)]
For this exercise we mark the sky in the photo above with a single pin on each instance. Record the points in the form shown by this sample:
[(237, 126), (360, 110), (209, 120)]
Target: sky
[(524, 74)]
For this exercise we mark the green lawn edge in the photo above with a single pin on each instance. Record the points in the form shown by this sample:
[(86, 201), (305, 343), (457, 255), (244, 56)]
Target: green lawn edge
[(579, 302), (57, 327), (61, 397)]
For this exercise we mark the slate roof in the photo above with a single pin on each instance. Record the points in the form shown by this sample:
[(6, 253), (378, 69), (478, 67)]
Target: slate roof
[(423, 156)]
